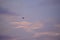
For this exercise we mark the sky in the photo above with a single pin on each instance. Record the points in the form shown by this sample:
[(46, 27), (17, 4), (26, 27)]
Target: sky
[(41, 19)]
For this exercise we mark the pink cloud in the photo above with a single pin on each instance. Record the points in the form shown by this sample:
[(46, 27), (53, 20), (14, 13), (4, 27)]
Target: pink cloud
[(28, 26), (39, 34)]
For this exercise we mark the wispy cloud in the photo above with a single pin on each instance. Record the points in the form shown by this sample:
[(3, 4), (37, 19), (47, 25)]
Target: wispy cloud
[(28, 25), (39, 34)]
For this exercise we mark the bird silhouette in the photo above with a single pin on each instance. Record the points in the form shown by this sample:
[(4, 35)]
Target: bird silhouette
[(22, 17)]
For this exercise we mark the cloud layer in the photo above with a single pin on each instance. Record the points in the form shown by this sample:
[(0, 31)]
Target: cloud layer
[(43, 19)]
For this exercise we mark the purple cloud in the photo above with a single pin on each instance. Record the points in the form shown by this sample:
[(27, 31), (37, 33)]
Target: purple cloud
[(3, 37), (5, 11)]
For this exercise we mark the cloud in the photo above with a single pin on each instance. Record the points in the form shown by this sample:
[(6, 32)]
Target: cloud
[(39, 34), (57, 25), (37, 25), (22, 23), (6, 11), (28, 26), (3, 37), (5, 19)]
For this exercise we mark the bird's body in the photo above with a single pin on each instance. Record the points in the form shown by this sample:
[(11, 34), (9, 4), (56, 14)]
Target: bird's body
[(22, 17)]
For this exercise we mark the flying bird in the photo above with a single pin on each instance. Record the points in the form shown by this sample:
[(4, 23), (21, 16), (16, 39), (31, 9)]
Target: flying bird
[(22, 17)]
